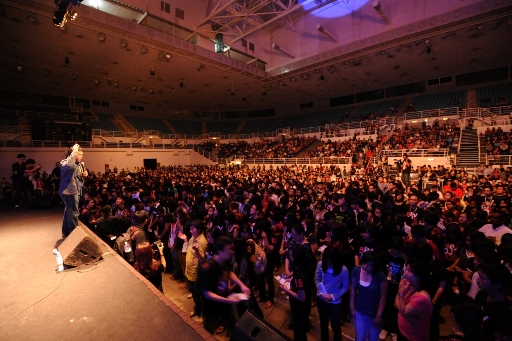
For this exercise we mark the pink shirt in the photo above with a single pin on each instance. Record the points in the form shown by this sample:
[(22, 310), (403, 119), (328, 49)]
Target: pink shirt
[(417, 327)]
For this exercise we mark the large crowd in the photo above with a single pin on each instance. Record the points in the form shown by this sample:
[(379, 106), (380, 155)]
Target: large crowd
[(358, 244), (362, 248), (279, 148)]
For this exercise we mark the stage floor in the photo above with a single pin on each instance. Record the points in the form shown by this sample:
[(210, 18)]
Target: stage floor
[(106, 301)]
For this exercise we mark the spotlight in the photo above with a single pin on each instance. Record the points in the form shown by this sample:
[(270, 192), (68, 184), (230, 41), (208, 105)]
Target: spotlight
[(63, 13), (19, 68)]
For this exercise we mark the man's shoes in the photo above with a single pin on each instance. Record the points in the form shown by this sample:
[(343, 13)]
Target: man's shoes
[(189, 296), (383, 334)]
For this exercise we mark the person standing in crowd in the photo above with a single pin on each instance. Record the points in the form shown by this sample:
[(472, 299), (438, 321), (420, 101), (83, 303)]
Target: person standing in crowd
[(70, 189), (406, 171), (213, 282), (196, 253), (413, 302), (332, 282), (147, 266), (493, 281), (22, 176), (368, 292), (299, 292), (18, 172)]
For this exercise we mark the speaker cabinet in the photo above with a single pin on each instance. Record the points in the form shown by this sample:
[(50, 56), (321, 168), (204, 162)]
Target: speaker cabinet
[(250, 328), (79, 248)]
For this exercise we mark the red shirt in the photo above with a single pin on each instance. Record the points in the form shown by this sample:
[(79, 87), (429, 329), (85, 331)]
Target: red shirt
[(417, 327)]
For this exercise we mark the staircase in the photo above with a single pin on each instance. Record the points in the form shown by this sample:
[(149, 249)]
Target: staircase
[(469, 154), (303, 153), (240, 126), (471, 101), (401, 111), (171, 128), (122, 124)]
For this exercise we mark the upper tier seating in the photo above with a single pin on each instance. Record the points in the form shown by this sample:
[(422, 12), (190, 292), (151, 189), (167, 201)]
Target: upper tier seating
[(496, 95), (440, 101), (145, 123), (104, 122)]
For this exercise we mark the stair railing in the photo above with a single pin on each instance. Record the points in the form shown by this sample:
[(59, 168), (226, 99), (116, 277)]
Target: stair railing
[(460, 137), (478, 146)]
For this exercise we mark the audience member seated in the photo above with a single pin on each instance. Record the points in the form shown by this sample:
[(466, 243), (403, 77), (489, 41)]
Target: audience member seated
[(266, 149)]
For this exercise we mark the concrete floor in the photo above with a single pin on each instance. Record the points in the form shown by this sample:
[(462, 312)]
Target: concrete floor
[(279, 315)]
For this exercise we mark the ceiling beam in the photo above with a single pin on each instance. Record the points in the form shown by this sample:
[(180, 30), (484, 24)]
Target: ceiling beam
[(215, 11), (277, 17)]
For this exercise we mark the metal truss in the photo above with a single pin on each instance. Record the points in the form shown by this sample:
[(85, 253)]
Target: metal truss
[(239, 18)]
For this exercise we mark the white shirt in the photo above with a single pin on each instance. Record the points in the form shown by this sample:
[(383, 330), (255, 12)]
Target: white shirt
[(497, 233)]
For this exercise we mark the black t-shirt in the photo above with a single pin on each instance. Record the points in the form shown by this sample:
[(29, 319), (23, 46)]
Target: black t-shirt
[(20, 172), (438, 274), (497, 315), (394, 266), (214, 277), (363, 246)]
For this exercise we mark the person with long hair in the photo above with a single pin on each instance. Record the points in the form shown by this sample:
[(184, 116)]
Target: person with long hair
[(368, 292), (299, 292), (147, 266), (332, 282), (414, 304)]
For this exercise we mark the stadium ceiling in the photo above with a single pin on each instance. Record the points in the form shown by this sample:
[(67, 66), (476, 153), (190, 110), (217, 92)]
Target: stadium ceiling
[(238, 18), (105, 58)]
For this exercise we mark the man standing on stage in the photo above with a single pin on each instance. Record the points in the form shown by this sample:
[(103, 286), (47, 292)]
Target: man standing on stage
[(71, 184)]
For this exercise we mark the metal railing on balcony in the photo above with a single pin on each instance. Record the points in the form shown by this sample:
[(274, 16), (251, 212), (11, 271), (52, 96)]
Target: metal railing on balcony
[(443, 112), (298, 161), (443, 152)]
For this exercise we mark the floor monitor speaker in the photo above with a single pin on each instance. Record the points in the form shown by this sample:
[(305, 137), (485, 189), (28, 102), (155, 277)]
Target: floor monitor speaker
[(79, 248), (250, 327)]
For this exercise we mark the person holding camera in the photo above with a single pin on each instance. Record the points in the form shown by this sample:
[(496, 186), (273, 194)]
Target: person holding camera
[(71, 184)]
